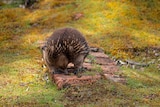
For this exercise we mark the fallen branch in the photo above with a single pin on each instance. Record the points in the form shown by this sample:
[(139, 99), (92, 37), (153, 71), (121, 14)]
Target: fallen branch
[(137, 63)]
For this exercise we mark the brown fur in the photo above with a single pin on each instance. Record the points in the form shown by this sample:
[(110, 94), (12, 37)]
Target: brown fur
[(66, 45)]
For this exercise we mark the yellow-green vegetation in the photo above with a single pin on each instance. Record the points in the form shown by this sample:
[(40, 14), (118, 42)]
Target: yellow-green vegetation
[(120, 27)]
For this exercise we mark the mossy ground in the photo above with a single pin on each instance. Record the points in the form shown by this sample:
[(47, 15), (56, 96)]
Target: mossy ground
[(120, 27)]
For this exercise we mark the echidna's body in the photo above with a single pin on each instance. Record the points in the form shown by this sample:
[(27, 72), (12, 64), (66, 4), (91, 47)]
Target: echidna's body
[(64, 46)]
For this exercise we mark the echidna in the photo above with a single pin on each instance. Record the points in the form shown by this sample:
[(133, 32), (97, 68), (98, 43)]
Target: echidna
[(64, 46)]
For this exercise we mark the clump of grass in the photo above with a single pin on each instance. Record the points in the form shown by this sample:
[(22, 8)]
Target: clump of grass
[(97, 68), (135, 83), (91, 59)]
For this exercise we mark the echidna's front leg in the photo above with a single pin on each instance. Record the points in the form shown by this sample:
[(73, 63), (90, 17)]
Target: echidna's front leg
[(78, 64), (52, 70), (61, 71), (66, 72)]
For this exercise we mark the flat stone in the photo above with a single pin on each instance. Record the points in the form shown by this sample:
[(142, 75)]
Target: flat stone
[(99, 54), (104, 61), (109, 69), (63, 81), (88, 66), (114, 78)]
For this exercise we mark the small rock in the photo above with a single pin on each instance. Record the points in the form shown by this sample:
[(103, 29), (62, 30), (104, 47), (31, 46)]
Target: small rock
[(156, 54), (77, 16), (46, 77), (94, 49), (119, 62), (114, 78)]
